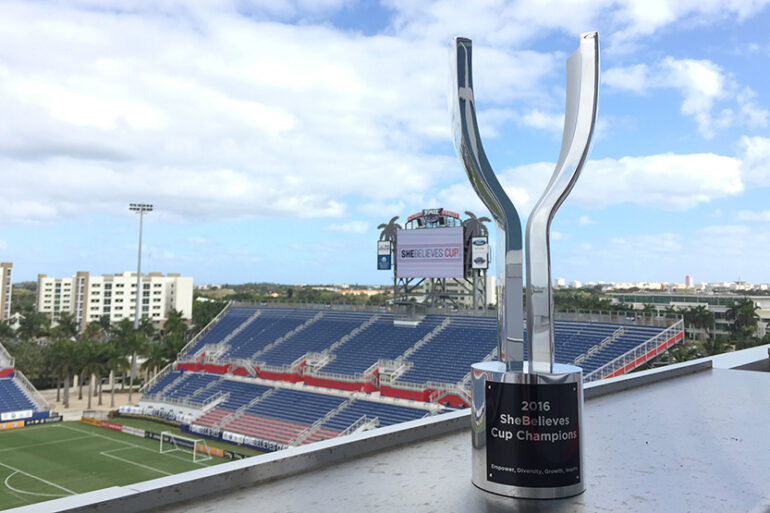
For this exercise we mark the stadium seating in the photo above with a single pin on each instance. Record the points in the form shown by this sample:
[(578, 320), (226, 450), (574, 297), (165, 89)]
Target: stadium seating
[(12, 397), (380, 340), (330, 328), (266, 329), (434, 356), (226, 325)]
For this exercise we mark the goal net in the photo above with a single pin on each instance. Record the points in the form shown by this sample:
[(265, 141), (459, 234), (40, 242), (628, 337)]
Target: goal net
[(196, 448)]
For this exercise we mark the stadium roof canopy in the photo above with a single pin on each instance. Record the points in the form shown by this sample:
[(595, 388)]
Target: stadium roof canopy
[(687, 437)]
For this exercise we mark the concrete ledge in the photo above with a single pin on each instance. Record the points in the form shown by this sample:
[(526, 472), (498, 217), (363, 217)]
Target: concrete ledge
[(638, 379)]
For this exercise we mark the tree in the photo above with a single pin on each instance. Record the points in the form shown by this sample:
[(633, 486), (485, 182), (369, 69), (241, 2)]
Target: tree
[(116, 363), (92, 363), (66, 325), (65, 353), (33, 325), (157, 358), (130, 341), (716, 345), (685, 352), (389, 229), (6, 332), (743, 314)]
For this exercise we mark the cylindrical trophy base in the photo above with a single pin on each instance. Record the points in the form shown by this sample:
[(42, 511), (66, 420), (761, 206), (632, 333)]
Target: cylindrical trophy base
[(526, 429)]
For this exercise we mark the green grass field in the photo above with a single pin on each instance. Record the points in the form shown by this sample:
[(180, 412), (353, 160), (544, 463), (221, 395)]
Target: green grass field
[(40, 463)]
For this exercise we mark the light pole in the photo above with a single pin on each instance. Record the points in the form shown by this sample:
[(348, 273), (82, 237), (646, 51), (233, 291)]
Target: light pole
[(139, 208)]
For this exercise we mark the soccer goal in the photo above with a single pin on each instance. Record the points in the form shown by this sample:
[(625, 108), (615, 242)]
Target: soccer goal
[(195, 447)]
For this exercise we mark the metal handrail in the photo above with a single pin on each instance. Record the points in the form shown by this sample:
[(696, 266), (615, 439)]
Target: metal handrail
[(362, 420), (5, 355), (36, 397), (165, 370), (634, 353), (205, 329)]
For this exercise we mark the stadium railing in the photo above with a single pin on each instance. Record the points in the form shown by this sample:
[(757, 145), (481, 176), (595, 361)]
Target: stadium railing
[(36, 397), (165, 370), (206, 329), (364, 420), (635, 353), (6, 360)]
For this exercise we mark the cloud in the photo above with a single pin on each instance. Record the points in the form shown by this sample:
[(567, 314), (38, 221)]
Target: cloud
[(585, 221), (350, 227), (538, 119), (702, 84), (668, 181), (755, 154), (748, 215)]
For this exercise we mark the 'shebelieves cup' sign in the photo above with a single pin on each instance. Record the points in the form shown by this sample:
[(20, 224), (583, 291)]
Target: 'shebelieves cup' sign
[(527, 416)]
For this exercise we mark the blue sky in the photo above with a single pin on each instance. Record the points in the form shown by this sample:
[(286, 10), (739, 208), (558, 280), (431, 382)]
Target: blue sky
[(274, 136)]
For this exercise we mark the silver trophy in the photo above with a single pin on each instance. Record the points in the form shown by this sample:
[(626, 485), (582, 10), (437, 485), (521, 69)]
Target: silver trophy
[(527, 416)]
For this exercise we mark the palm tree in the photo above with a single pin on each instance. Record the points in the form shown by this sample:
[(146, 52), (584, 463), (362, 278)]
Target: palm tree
[(474, 226), (33, 325), (744, 315), (684, 352), (116, 363), (91, 363), (131, 341), (717, 345), (66, 325), (704, 319), (156, 358), (389, 229), (65, 352)]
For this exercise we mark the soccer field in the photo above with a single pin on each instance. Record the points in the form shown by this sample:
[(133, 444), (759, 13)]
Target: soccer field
[(45, 462)]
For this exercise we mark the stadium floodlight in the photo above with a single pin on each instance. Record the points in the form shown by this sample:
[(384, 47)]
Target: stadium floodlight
[(527, 416), (141, 209)]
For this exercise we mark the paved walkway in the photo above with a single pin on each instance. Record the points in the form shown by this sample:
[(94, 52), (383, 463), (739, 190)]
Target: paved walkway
[(77, 406)]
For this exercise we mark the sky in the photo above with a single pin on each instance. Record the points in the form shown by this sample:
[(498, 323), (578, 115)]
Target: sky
[(273, 136)]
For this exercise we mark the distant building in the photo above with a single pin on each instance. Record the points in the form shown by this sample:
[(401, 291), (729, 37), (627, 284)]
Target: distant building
[(559, 282), (114, 295), (716, 303), (688, 283), (5, 290), (575, 284)]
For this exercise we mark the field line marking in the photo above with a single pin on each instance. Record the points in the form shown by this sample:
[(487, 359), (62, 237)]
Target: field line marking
[(26, 492), (38, 478), (104, 453), (53, 442), (134, 445)]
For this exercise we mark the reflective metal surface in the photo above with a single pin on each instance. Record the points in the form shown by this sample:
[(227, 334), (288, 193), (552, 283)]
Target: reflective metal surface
[(482, 177), (495, 371), (579, 120)]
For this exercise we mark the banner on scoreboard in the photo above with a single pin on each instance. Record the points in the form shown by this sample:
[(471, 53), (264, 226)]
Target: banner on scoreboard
[(479, 253), (430, 253)]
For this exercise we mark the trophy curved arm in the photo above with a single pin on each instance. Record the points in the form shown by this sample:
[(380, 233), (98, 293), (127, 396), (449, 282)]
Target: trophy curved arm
[(579, 121), (482, 177)]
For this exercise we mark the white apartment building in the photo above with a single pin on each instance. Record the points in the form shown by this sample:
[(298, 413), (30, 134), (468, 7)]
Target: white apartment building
[(5, 290), (90, 297)]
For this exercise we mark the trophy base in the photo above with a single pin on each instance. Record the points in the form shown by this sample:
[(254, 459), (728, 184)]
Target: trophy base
[(526, 428)]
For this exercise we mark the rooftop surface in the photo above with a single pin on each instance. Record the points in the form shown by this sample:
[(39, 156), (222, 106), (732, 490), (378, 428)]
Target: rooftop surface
[(690, 437)]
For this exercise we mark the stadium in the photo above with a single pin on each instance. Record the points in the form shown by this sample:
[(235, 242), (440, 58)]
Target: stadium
[(282, 378)]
